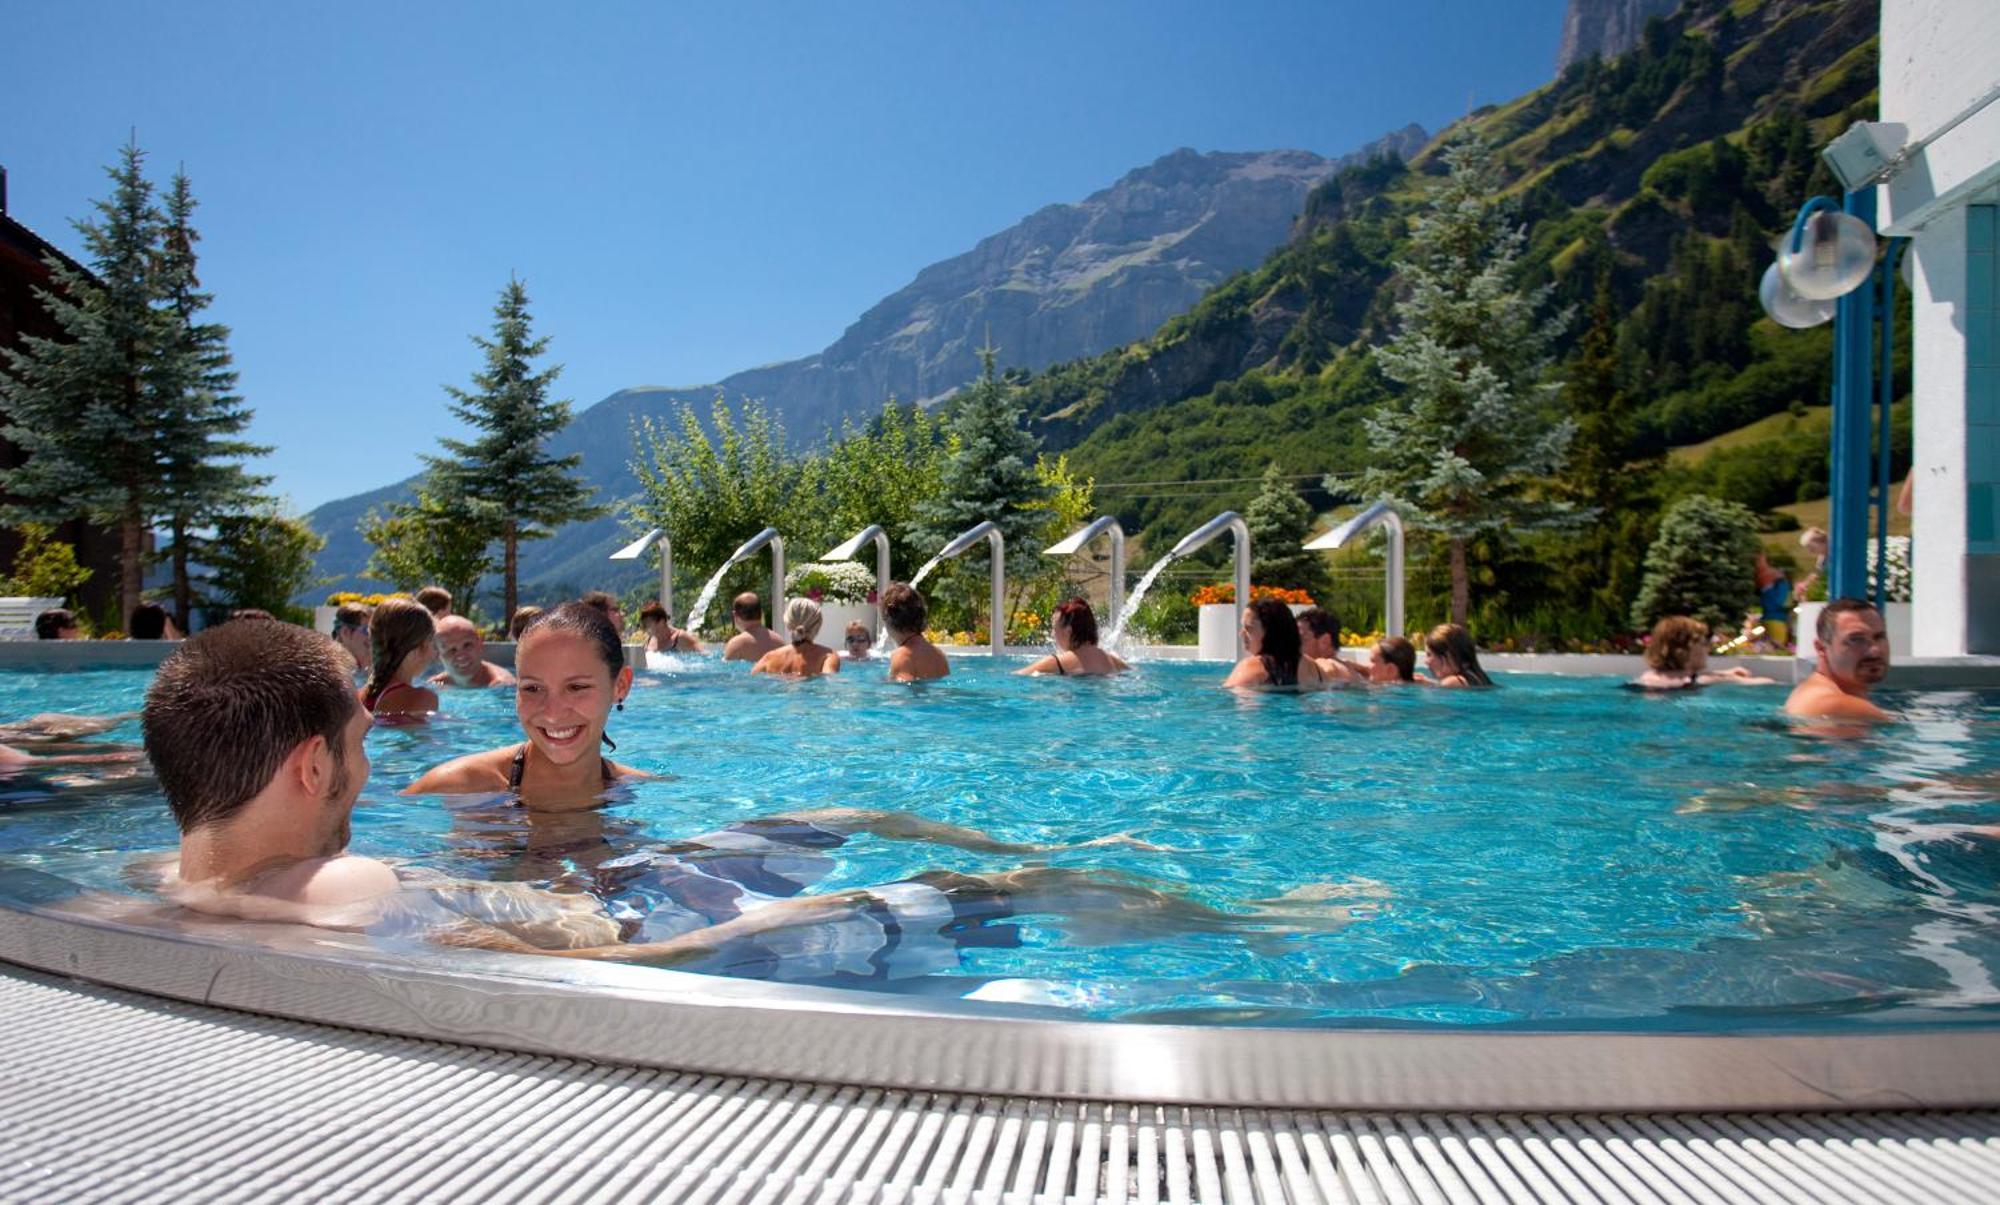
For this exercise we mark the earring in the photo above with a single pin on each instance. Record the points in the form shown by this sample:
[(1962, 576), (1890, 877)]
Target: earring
[(621, 704)]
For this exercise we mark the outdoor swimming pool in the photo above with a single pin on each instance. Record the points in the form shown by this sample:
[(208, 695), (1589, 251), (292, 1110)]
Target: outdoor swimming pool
[(1554, 854)]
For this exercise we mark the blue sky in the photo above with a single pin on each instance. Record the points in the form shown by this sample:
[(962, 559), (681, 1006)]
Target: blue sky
[(687, 190)]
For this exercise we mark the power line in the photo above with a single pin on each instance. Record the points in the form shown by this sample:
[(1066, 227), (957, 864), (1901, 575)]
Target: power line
[(1107, 485)]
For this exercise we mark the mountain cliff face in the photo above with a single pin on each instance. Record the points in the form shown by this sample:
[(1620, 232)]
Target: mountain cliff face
[(1066, 282), (1605, 28)]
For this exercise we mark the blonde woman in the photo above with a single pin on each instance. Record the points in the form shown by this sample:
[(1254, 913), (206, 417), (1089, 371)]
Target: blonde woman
[(804, 657)]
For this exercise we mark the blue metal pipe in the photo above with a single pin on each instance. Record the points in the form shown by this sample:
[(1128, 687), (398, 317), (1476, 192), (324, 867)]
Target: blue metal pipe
[(1853, 367)]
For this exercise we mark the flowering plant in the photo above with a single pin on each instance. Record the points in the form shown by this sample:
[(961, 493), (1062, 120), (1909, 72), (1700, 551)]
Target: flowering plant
[(1896, 586), (1226, 593), (349, 596), (831, 581)]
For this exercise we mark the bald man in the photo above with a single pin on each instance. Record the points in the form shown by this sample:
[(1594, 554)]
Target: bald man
[(464, 652)]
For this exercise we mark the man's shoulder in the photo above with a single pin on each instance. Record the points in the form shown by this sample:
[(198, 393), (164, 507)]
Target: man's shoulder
[(498, 675), (1820, 696)]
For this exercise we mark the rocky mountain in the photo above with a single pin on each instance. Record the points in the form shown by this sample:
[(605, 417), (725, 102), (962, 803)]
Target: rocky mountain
[(1605, 28), (1068, 281)]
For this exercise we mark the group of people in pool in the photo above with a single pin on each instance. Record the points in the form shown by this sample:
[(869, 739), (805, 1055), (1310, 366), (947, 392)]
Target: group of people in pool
[(258, 739), (257, 736)]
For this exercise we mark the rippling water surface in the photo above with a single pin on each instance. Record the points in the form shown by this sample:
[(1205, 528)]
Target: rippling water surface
[(1555, 852)]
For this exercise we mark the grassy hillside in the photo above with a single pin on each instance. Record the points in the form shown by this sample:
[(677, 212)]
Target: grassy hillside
[(1669, 170)]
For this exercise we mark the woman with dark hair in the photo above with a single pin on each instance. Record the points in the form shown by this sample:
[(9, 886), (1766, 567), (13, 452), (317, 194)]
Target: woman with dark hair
[(402, 637), (904, 614), (572, 674), (1394, 662), (1273, 656), (1452, 658), (1073, 629)]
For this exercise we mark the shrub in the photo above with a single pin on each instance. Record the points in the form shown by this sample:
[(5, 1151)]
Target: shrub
[(44, 568), (831, 581), (1700, 564)]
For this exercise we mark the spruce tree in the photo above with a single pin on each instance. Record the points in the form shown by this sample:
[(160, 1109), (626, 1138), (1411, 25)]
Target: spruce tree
[(203, 478), (1460, 449), (989, 473), (506, 478), (1701, 564), (1279, 522), (84, 408)]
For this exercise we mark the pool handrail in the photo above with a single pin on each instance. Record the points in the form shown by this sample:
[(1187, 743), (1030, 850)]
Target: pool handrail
[(749, 549), (996, 543), (637, 549), (1074, 542), (845, 552), (1231, 522), (1383, 515)]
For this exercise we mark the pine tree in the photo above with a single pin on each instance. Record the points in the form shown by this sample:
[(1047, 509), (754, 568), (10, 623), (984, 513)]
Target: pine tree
[(1700, 564), (1459, 450), (990, 472), (203, 479), (510, 484), (1279, 522), (83, 408)]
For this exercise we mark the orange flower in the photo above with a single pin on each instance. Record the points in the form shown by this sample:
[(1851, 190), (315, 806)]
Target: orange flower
[(1225, 592)]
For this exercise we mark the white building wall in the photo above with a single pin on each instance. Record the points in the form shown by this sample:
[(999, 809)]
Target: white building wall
[(1939, 59)]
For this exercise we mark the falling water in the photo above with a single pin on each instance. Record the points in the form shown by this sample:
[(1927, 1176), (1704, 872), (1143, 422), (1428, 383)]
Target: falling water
[(1137, 596), (700, 609), (925, 571)]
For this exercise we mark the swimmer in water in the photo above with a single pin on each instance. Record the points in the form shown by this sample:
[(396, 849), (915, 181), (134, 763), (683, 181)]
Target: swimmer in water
[(1677, 659), (804, 657), (572, 676), (661, 634), (402, 641), (1452, 658), (463, 650), (1852, 645), (752, 640), (1273, 659), (1393, 662), (1073, 630), (914, 658)]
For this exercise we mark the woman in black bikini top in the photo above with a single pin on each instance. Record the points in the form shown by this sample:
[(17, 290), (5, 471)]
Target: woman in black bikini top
[(572, 674)]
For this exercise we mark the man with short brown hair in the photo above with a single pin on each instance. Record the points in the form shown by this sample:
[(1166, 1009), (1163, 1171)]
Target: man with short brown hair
[(256, 737), (752, 639), (1852, 643)]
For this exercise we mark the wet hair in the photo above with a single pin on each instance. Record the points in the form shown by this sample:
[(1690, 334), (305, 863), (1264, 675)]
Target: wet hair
[(602, 601), (1454, 641), (1081, 621), (1399, 652), (401, 627), (227, 707), (1829, 616), (148, 621), (904, 609), (1281, 633), (653, 612), (587, 621), (747, 607), (802, 620), (436, 599), (252, 613), (50, 624), (352, 615), (523, 616), (1321, 622), (1670, 649)]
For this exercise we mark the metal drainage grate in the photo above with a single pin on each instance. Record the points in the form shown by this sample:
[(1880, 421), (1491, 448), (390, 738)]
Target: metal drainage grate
[(109, 1095)]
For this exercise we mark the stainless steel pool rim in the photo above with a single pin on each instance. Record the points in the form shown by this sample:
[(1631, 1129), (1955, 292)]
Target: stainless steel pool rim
[(648, 1017)]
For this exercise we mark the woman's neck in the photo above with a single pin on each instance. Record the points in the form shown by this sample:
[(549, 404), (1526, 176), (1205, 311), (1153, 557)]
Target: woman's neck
[(580, 779)]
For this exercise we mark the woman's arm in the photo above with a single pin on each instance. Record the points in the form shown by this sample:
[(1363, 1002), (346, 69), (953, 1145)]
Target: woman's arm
[(1248, 672), (1046, 665), (473, 773)]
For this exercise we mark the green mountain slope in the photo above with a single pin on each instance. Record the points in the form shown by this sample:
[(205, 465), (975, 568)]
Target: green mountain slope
[(1670, 168)]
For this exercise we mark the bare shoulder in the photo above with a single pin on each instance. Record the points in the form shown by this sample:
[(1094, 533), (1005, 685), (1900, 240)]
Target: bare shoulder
[(500, 675), (1816, 698), (1047, 665), (1248, 672), (831, 665), (475, 772)]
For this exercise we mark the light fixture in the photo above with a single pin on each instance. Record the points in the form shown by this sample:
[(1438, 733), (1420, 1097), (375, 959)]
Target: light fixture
[(1786, 307), (1828, 253)]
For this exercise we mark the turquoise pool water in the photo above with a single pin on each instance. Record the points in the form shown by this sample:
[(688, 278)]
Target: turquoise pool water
[(1557, 852)]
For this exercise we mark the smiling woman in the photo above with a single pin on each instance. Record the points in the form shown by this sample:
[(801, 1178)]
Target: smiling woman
[(572, 673)]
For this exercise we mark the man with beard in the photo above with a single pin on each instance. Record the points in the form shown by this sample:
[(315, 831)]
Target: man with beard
[(1853, 647)]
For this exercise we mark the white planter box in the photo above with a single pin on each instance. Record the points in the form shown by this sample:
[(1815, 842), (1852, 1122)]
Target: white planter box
[(1216, 639), (834, 618), (1895, 617), (323, 619)]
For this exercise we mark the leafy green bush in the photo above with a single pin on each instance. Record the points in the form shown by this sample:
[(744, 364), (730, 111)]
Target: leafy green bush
[(1700, 564), (44, 568), (1166, 617)]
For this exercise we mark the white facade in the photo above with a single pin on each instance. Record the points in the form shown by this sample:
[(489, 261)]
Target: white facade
[(1941, 81)]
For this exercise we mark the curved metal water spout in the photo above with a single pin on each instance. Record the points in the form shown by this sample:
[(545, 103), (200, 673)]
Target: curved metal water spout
[(637, 549), (996, 543), (1074, 543), (846, 550), (749, 549), (1379, 515), (1231, 522)]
